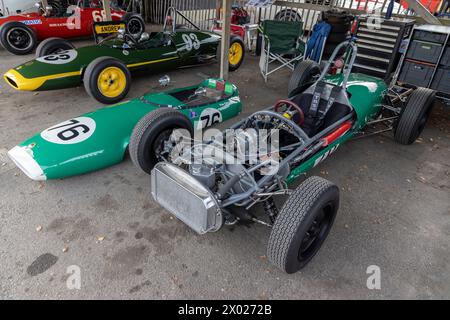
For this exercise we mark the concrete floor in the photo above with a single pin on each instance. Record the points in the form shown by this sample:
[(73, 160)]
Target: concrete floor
[(395, 213)]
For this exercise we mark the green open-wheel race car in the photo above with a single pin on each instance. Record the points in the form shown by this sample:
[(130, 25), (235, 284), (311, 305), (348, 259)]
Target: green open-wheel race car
[(105, 68), (215, 182)]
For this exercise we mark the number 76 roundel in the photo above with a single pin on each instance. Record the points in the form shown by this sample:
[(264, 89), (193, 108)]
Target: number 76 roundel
[(70, 132)]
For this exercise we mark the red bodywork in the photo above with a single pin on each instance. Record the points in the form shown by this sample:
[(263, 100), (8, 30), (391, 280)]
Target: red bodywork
[(431, 5), (77, 25)]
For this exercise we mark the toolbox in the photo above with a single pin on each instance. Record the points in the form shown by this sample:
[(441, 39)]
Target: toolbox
[(427, 60), (417, 74), (424, 51), (441, 81), (378, 45)]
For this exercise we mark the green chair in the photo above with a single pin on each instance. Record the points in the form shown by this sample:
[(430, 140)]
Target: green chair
[(281, 42)]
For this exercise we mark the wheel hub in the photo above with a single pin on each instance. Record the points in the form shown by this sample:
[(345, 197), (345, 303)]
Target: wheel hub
[(112, 82)]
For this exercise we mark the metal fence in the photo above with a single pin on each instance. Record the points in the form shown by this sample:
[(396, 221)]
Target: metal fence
[(203, 12)]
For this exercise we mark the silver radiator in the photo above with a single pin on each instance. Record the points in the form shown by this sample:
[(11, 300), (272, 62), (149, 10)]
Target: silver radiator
[(185, 197)]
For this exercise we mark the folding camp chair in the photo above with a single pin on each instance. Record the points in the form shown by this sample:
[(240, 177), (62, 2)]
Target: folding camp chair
[(280, 42)]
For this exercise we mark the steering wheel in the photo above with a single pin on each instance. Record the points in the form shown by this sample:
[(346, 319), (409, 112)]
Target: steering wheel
[(292, 109)]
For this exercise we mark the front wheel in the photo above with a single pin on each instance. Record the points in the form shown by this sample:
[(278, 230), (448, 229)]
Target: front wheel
[(303, 224), (107, 80), (414, 116), (151, 142)]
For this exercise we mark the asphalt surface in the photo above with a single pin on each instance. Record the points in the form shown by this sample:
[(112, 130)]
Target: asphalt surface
[(394, 214)]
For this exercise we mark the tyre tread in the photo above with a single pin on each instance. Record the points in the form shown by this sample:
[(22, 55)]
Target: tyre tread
[(291, 216)]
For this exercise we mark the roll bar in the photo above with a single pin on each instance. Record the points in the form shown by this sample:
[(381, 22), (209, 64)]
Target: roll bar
[(347, 67)]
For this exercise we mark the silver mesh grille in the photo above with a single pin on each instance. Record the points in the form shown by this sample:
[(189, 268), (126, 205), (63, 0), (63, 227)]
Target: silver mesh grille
[(185, 197)]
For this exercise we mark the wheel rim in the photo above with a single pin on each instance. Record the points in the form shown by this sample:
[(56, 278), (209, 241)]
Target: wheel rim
[(235, 54), (134, 27), (317, 232), (19, 39), (112, 81)]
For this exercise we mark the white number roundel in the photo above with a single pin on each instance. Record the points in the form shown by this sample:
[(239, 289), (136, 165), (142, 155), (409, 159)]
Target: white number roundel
[(61, 57), (70, 132), (209, 117), (191, 41)]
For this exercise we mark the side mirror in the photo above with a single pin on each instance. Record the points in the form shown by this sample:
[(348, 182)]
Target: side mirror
[(144, 37)]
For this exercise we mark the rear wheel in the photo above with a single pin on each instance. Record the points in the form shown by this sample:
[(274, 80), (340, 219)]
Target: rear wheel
[(304, 75), (150, 141), (303, 224), (107, 80), (135, 25), (53, 46), (414, 116), (18, 38), (236, 53)]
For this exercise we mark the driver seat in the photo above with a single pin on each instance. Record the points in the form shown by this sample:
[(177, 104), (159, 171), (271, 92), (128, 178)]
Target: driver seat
[(323, 104)]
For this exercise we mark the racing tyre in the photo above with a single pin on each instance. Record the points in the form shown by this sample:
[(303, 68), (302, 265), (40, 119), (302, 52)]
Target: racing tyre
[(135, 25), (53, 46), (288, 15), (107, 80), (236, 53), (18, 38), (414, 116), (151, 136), (303, 224), (303, 76)]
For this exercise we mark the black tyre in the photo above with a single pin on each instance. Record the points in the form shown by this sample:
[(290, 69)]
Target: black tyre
[(414, 116), (107, 80), (288, 15), (303, 224), (18, 38), (52, 46), (135, 25), (304, 75), (151, 135)]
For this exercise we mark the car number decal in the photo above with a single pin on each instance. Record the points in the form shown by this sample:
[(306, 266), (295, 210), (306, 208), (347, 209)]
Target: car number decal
[(62, 57), (209, 117), (191, 41), (99, 16), (325, 155), (70, 132)]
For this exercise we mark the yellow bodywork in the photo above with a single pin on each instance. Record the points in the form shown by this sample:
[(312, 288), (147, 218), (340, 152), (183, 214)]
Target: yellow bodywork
[(25, 84)]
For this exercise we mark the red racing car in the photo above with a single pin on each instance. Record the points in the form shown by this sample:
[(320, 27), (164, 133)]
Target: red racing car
[(20, 33)]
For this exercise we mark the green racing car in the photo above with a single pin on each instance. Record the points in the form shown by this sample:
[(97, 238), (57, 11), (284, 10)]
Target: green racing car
[(105, 68), (216, 181), (101, 138)]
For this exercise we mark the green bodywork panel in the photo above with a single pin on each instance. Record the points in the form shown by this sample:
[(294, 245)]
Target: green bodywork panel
[(366, 96), (108, 131), (161, 52)]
